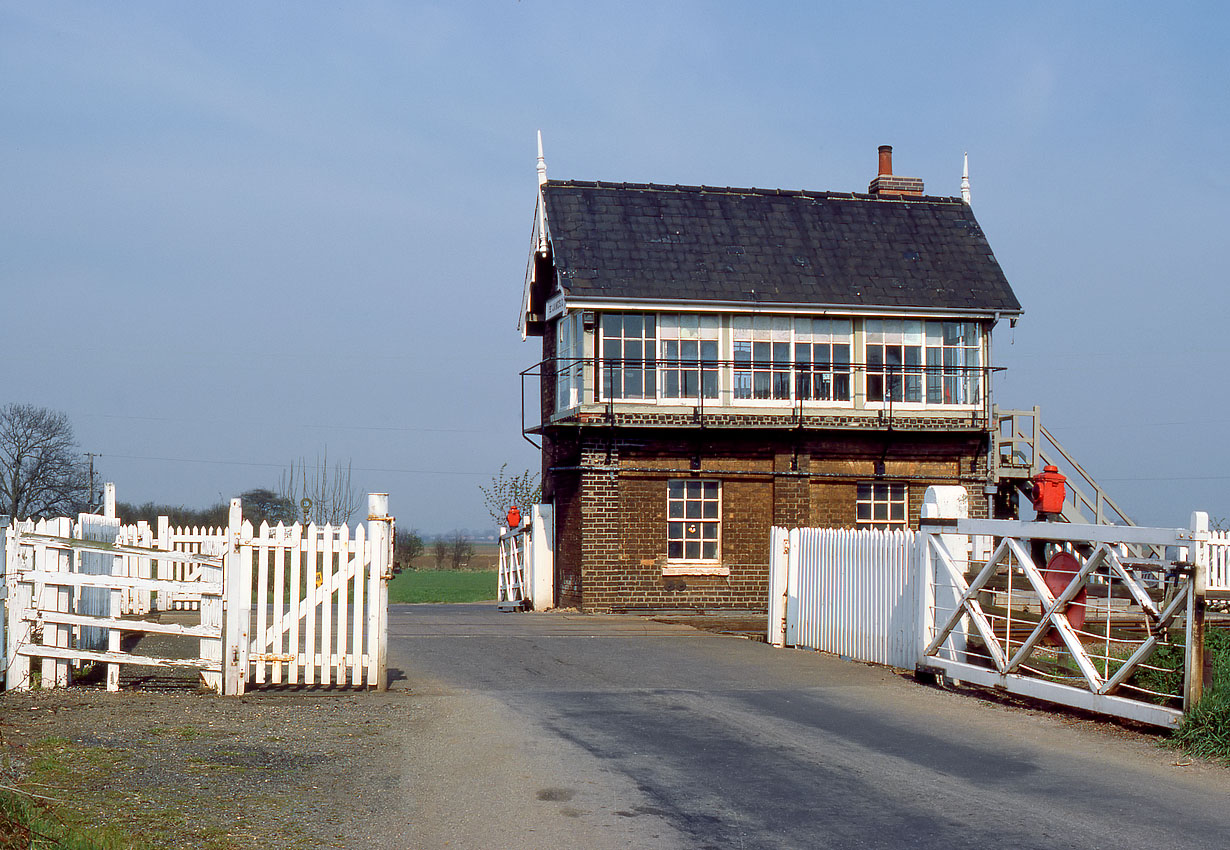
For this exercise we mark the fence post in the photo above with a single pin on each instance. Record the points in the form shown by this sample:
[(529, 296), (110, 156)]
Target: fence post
[(794, 545), (237, 590), (380, 535), (947, 503), (542, 566), (1193, 667), (18, 596), (4, 598), (778, 547)]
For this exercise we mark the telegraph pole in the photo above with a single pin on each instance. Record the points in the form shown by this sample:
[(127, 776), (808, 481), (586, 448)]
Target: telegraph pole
[(91, 456)]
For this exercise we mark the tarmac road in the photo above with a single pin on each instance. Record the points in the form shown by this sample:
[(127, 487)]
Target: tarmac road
[(553, 730)]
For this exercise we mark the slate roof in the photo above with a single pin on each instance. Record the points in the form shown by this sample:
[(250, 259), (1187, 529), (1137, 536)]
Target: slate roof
[(649, 241)]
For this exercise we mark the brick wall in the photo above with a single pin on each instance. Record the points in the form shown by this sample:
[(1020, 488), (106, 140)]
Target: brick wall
[(547, 370), (600, 523), (611, 515)]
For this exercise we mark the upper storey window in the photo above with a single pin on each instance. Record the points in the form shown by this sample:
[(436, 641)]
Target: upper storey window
[(954, 363), (689, 355), (569, 361), (894, 360), (915, 361), (822, 359), (750, 360), (762, 356), (628, 367)]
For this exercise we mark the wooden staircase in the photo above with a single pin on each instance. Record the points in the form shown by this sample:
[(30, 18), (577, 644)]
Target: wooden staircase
[(1021, 447)]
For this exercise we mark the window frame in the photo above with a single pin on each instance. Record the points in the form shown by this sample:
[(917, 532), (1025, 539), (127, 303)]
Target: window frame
[(569, 362), (681, 493), (647, 371), (921, 348), (886, 494), (777, 361), (689, 351)]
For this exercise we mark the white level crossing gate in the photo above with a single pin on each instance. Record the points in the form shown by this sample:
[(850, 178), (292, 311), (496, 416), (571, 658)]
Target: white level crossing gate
[(288, 605), (1105, 618)]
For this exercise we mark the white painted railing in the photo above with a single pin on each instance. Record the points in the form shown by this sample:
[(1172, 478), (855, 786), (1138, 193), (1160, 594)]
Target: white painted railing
[(852, 593), (62, 594), (303, 604), (1219, 561)]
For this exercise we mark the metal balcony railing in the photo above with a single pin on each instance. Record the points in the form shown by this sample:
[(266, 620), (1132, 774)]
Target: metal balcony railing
[(775, 384)]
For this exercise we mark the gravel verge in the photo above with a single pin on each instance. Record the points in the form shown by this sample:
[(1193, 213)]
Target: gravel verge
[(182, 769)]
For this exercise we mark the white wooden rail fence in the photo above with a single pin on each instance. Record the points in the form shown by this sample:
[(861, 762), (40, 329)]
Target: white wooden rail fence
[(288, 605), (965, 598), (49, 622), (526, 577)]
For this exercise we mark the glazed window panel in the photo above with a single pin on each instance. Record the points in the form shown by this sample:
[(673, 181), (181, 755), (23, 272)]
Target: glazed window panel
[(629, 368), (688, 355), (693, 527), (881, 504), (894, 360), (954, 363), (569, 361), (822, 359), (762, 357)]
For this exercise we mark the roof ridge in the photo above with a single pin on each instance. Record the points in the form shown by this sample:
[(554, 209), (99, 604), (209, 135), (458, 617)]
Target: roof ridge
[(826, 194)]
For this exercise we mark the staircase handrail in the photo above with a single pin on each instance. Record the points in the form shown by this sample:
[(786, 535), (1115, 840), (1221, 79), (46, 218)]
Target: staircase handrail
[(1045, 450), (1105, 510)]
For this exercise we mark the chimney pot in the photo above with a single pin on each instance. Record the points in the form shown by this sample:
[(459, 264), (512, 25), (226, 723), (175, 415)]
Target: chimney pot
[(886, 160), (887, 183)]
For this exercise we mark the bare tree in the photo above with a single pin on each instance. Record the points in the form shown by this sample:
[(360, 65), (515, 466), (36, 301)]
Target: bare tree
[(333, 500), (408, 546), (42, 472), (508, 490), (439, 552), (460, 551)]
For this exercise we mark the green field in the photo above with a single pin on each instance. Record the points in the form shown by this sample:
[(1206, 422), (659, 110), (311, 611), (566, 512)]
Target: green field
[(443, 586)]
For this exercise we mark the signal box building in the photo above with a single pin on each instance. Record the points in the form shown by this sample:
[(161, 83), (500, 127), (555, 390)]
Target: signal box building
[(716, 361)]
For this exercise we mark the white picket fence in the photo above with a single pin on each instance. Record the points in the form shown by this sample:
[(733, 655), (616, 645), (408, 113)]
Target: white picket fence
[(1219, 561), (852, 593), (319, 603), (189, 540), (303, 604)]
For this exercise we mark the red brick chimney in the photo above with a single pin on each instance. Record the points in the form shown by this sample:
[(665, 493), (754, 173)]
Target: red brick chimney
[(886, 183)]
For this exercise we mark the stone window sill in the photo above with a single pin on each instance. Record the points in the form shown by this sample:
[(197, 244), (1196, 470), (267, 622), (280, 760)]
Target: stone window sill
[(695, 570)]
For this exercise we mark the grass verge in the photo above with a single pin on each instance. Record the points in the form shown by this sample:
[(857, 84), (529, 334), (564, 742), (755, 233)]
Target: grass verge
[(443, 586), (1206, 728), (33, 821), (31, 824)]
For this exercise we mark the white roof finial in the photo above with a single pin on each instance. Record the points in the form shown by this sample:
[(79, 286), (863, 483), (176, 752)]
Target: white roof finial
[(542, 163), (542, 207), (965, 180)]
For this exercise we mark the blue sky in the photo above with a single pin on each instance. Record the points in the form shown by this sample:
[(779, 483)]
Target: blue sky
[(236, 234)]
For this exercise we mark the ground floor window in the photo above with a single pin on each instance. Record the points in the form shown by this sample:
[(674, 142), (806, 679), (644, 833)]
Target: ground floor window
[(880, 504), (693, 520)]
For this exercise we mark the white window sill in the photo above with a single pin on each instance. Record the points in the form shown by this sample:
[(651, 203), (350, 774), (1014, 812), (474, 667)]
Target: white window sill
[(695, 570)]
